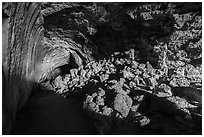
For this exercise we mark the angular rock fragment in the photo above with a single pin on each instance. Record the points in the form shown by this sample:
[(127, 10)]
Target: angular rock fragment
[(134, 64), (104, 77), (179, 82), (163, 90), (132, 85), (142, 67), (90, 106), (134, 108), (101, 92), (137, 71), (180, 103), (107, 111), (122, 104), (128, 74), (151, 82), (150, 69), (138, 98), (138, 119)]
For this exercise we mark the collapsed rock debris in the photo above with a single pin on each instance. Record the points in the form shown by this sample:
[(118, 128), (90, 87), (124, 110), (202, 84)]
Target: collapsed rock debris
[(130, 93), (139, 65)]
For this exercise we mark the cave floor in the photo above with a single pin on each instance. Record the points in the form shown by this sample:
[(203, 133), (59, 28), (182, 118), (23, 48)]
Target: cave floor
[(47, 113), (50, 114)]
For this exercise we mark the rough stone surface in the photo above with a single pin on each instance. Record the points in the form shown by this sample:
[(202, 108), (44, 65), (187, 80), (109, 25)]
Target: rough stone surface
[(163, 90), (134, 64), (21, 57), (122, 104)]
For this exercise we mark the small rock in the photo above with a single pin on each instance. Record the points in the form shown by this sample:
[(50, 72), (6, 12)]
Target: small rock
[(179, 82), (100, 101), (132, 85), (176, 64), (112, 81), (107, 111), (97, 69), (150, 69), (119, 85), (128, 74), (138, 98), (104, 77), (94, 95), (90, 105), (89, 73), (138, 119), (163, 90), (135, 64), (119, 62), (137, 71), (145, 75), (180, 71), (73, 72), (143, 121), (101, 92), (180, 103), (134, 108), (139, 81), (173, 105), (121, 91), (58, 82), (158, 74), (122, 104), (151, 82), (142, 67)]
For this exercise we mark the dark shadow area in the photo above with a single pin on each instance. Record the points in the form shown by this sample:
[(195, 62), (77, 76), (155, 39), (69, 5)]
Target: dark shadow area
[(88, 101), (47, 113), (118, 33)]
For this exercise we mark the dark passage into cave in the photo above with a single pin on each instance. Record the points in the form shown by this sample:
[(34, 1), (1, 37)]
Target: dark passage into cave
[(102, 68)]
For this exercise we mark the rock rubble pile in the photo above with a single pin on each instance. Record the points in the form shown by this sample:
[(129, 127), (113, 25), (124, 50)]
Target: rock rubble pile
[(122, 90), (146, 69)]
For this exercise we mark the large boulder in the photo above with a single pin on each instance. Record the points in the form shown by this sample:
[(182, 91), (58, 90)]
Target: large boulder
[(122, 104)]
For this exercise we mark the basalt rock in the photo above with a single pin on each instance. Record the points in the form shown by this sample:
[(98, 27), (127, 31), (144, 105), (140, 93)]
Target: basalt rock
[(32, 54), (22, 56), (163, 90), (133, 63), (122, 104)]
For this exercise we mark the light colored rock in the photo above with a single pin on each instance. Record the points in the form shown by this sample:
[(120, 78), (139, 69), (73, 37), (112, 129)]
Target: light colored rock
[(163, 90), (122, 104)]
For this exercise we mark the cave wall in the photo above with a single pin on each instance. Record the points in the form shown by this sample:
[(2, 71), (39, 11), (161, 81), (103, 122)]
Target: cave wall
[(28, 56), (21, 55)]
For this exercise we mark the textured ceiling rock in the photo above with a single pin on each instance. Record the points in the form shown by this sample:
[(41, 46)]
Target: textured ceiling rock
[(22, 52), (60, 52), (29, 57)]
